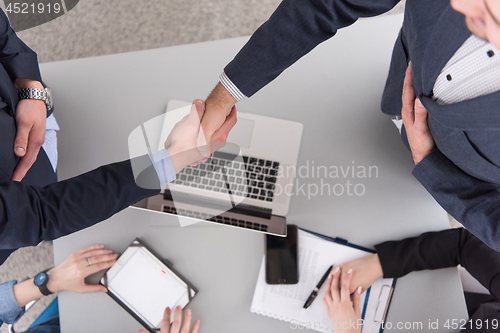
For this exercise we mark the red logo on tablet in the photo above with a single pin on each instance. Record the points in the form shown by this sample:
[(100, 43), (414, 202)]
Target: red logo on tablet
[(163, 271)]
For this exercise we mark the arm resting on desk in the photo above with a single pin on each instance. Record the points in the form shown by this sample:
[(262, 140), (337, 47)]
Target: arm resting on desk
[(69, 275), (448, 248)]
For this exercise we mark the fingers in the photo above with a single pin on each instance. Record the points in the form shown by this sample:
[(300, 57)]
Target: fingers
[(99, 266), (176, 324), (327, 303), (355, 298), (89, 248), (193, 115), (187, 321), (201, 143), (345, 293), (200, 107), (223, 132), (165, 324), (93, 288), (21, 141), (408, 98), (27, 160), (217, 145), (196, 326), (99, 258), (335, 285), (420, 117), (95, 253), (328, 295)]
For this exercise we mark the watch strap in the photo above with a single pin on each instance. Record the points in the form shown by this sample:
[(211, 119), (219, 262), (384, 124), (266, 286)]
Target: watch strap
[(43, 287), (32, 93)]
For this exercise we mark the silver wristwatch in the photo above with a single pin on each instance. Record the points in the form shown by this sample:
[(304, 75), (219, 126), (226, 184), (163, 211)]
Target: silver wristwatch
[(35, 93)]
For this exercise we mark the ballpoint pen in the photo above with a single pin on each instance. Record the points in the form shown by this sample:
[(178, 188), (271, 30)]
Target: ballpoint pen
[(314, 293)]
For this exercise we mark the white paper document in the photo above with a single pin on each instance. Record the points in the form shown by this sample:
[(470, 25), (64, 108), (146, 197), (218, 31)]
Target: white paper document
[(316, 255)]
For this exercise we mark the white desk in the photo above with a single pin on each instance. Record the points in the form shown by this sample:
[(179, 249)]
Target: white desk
[(334, 91)]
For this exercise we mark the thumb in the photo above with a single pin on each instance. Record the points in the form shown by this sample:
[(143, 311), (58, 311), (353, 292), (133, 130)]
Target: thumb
[(356, 296), (21, 141), (93, 288), (200, 107), (420, 114)]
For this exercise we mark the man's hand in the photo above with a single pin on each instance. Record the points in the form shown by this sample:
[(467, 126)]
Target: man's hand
[(365, 271), (71, 273), (176, 324), (31, 116), (218, 119), (414, 117), (343, 309)]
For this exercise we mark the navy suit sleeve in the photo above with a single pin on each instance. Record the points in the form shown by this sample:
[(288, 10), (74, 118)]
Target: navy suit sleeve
[(18, 59), (31, 214), (294, 29), (471, 201)]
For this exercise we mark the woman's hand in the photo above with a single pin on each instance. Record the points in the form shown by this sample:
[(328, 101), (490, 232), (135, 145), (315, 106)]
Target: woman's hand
[(176, 324), (365, 271), (71, 273), (343, 309)]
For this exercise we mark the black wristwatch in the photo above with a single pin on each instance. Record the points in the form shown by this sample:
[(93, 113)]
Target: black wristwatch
[(35, 93), (41, 280)]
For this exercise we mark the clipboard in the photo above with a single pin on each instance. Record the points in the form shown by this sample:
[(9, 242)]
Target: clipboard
[(138, 257), (386, 292), (384, 297), (316, 253)]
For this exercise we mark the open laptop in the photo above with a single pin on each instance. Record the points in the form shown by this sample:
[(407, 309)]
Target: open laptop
[(242, 185)]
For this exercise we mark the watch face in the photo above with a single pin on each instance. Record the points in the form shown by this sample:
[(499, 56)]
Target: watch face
[(40, 278)]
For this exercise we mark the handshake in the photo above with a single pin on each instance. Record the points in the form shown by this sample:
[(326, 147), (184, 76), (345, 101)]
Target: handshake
[(191, 140)]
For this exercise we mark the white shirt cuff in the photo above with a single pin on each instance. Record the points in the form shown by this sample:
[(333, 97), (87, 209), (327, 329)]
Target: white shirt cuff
[(163, 166), (231, 87)]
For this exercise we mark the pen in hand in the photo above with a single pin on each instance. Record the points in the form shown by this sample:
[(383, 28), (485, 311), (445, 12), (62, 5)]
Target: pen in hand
[(314, 293)]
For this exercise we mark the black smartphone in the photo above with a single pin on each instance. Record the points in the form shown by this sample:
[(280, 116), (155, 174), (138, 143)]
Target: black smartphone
[(282, 265)]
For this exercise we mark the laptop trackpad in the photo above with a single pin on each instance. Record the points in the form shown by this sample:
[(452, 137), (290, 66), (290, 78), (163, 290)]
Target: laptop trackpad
[(241, 134)]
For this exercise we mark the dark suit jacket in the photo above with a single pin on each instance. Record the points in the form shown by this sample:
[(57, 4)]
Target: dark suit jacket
[(17, 61), (463, 175), (448, 248), (30, 214), (38, 208)]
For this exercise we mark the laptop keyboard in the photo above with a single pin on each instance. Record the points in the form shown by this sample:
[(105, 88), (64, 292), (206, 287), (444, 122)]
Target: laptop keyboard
[(254, 178), (218, 219)]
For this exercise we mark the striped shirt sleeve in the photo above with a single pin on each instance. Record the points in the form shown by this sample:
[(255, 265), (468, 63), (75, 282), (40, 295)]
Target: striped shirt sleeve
[(231, 87)]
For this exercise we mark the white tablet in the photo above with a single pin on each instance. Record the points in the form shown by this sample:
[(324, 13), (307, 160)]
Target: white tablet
[(144, 285)]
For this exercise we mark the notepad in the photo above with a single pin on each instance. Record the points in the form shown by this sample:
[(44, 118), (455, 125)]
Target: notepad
[(316, 254)]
